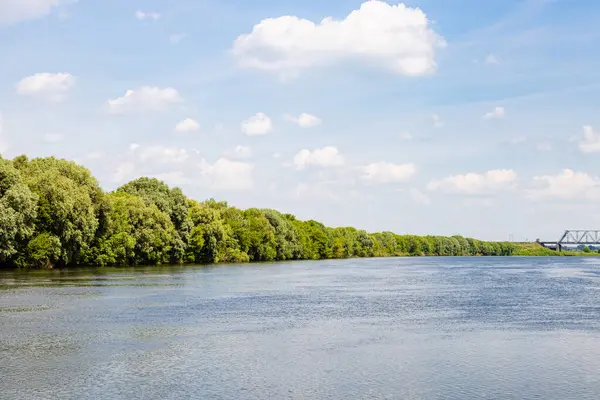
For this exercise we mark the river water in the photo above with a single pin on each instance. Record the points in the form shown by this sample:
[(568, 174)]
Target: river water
[(407, 328)]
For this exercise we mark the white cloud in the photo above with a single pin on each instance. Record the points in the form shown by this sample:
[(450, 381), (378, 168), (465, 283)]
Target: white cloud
[(146, 98), (224, 174), (318, 191), (474, 183), (328, 156), (405, 136), (187, 125), (567, 185), (163, 155), (419, 197), (544, 146), (395, 37), (94, 155), (304, 120), (49, 86), (384, 172), (227, 175), (177, 38), (239, 152), (590, 143), (437, 121), (517, 139), (496, 113), (258, 124), (54, 137), (124, 171), (133, 147), (141, 15), (12, 11), (173, 178), (491, 59), (3, 144)]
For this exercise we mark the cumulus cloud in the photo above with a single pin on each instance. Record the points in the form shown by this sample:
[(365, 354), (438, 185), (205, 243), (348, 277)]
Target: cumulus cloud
[(395, 37), (239, 152), (544, 146), (173, 178), (258, 124), (566, 185), (318, 191), (54, 137), (3, 144), (496, 113), (419, 197), (141, 15), (384, 172), (12, 11), (49, 86), (590, 142), (187, 125), (146, 98), (94, 155), (162, 154), (475, 183), (177, 38), (517, 140), (227, 175), (405, 136), (304, 120), (437, 121), (491, 59), (124, 172), (328, 156)]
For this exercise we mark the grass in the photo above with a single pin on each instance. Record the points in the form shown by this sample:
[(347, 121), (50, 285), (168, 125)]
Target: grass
[(536, 250)]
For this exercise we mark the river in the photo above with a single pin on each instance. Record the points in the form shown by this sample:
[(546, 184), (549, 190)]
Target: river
[(404, 328)]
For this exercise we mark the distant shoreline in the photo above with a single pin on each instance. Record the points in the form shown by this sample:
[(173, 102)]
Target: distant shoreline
[(574, 254), (55, 214)]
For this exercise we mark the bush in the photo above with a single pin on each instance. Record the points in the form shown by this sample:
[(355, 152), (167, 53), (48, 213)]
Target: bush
[(42, 252)]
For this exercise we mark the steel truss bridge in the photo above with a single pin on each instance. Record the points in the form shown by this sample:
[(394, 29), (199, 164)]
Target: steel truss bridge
[(575, 238)]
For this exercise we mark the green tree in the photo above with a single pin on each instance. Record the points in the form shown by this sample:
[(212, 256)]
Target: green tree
[(137, 233), (42, 251), (212, 239), (170, 201), (18, 212), (286, 236), (260, 242), (69, 200), (52, 211)]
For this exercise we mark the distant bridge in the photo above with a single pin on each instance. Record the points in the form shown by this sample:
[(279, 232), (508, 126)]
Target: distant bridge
[(574, 238)]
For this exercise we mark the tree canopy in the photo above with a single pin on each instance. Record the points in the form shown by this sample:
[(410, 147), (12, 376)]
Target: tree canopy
[(53, 212)]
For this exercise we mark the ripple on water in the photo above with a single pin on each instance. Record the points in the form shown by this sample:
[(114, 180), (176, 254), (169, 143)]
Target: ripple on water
[(378, 329)]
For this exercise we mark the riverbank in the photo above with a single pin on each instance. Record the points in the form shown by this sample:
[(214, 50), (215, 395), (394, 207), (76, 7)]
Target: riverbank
[(57, 215), (520, 250), (536, 250)]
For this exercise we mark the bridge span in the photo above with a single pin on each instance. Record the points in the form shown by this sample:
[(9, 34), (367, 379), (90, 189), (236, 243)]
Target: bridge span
[(574, 238)]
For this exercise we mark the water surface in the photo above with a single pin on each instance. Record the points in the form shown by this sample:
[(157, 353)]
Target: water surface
[(408, 328)]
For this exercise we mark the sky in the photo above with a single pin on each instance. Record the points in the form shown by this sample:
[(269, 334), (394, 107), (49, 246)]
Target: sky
[(479, 118)]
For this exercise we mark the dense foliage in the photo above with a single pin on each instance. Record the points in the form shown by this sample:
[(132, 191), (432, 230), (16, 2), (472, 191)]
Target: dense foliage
[(53, 212)]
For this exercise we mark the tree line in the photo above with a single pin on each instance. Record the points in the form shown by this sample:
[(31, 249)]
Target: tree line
[(53, 212)]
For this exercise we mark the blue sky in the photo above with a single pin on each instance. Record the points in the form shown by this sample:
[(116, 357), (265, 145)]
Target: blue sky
[(466, 117)]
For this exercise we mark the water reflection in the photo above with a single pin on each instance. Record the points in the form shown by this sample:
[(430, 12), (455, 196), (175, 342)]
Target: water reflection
[(460, 328)]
